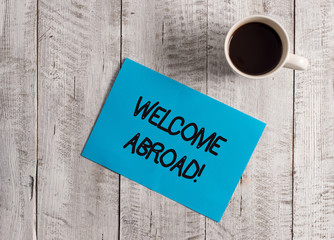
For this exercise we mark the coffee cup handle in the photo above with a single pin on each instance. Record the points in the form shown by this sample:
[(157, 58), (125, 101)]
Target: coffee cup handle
[(296, 62)]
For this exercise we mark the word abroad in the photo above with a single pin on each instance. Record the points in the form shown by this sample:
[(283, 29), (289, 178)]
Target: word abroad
[(167, 158), (158, 116)]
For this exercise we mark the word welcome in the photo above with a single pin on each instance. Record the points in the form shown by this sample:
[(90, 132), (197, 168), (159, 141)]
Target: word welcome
[(176, 126)]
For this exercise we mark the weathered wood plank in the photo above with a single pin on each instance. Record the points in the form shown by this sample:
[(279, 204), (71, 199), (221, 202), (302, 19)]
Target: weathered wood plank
[(79, 57), (261, 207), (314, 122), (17, 119), (169, 37)]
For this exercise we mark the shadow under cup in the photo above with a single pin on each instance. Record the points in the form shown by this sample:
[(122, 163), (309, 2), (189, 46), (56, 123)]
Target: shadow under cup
[(256, 46)]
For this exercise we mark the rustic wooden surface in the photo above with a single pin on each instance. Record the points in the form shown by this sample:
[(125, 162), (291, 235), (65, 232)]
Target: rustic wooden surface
[(58, 61), (18, 122)]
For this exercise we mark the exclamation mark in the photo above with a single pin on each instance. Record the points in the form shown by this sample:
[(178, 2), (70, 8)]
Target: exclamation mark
[(200, 172)]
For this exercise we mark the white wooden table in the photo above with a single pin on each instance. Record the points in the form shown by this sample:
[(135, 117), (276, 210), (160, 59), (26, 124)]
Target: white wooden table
[(58, 61)]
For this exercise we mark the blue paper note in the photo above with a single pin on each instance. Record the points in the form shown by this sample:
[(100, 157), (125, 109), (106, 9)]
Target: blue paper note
[(172, 139)]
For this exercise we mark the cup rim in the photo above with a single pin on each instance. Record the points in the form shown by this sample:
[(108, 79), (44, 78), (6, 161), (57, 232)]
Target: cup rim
[(244, 21)]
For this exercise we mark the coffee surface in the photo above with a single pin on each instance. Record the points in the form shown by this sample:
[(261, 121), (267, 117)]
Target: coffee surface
[(255, 48)]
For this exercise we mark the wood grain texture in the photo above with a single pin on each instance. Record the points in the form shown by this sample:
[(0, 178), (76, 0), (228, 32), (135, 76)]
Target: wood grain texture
[(169, 37), (79, 56), (261, 207), (17, 119), (58, 60), (314, 122)]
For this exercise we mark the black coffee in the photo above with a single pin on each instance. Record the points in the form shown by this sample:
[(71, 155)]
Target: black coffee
[(255, 48)]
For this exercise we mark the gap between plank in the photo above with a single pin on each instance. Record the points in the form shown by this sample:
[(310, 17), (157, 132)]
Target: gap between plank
[(207, 45), (36, 132), (293, 123)]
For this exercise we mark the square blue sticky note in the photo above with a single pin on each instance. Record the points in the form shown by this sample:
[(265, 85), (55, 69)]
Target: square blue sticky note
[(172, 139)]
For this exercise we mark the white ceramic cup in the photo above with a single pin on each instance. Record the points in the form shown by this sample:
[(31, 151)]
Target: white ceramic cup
[(287, 60)]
